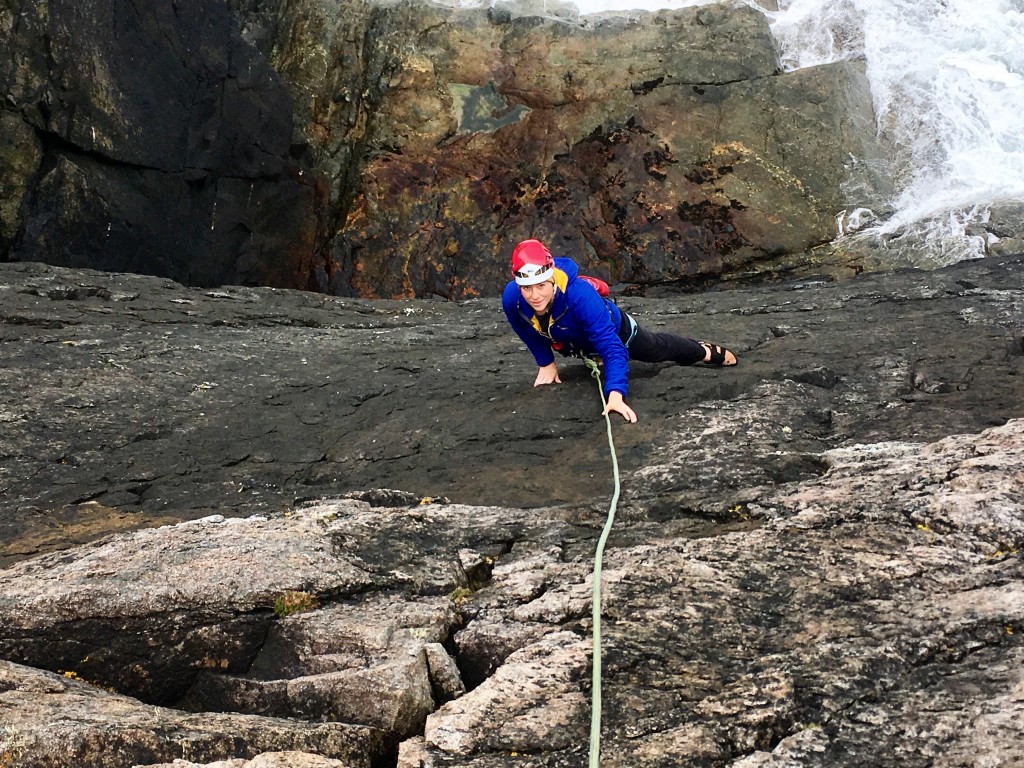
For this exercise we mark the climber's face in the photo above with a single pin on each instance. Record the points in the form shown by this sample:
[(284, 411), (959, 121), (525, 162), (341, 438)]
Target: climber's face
[(539, 296)]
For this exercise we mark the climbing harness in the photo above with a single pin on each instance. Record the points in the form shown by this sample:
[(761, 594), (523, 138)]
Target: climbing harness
[(595, 715), (632, 332)]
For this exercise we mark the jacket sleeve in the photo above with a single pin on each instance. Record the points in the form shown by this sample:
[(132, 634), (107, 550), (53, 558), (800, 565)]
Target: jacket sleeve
[(539, 346), (603, 336)]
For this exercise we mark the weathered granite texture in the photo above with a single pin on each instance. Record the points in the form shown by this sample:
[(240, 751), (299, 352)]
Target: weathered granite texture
[(816, 559), (399, 149), (872, 616)]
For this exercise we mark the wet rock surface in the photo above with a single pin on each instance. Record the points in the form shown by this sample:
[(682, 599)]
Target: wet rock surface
[(128, 400), (816, 558)]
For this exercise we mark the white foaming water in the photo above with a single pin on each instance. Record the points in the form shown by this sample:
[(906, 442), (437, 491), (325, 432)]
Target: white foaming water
[(947, 80)]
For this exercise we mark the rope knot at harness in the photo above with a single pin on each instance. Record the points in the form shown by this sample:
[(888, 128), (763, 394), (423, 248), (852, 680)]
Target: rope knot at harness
[(595, 717)]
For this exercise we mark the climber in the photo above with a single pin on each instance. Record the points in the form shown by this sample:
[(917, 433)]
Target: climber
[(552, 308)]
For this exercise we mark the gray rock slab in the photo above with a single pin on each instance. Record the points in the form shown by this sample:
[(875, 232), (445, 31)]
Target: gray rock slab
[(148, 612), (128, 401), (54, 721)]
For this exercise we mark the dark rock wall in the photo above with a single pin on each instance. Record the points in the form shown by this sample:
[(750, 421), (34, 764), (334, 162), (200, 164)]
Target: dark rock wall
[(664, 149), (158, 141), (400, 149)]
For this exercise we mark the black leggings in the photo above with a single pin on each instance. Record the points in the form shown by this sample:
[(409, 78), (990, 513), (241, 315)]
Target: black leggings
[(650, 347)]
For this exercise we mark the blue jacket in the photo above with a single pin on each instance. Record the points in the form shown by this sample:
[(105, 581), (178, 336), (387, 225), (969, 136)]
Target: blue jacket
[(581, 321)]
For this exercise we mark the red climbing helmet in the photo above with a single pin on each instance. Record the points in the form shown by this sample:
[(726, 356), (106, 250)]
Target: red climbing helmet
[(532, 263)]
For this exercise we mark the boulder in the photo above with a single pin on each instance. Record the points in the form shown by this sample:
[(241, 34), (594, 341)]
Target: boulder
[(263, 760), (1003, 232), (375, 662)]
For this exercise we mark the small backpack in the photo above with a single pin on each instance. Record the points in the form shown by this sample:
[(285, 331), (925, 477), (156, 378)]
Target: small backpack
[(599, 285)]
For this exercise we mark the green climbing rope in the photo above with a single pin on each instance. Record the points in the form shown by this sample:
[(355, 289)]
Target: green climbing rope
[(595, 713)]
